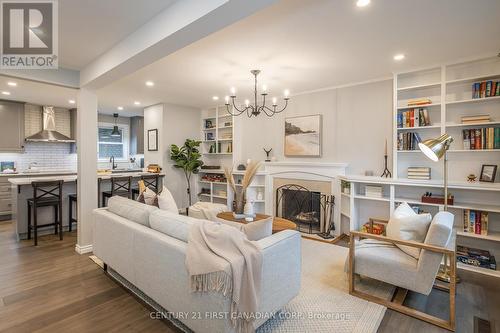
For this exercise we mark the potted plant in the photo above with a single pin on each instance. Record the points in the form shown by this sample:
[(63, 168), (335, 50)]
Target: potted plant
[(187, 158)]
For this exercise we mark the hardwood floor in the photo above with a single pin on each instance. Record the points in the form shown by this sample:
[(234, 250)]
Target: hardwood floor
[(51, 288)]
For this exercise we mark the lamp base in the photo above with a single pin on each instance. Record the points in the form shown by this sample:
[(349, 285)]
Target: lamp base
[(443, 275)]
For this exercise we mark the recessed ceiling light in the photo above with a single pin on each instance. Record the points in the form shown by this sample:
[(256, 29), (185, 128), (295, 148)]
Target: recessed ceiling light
[(71, 101), (12, 84), (362, 3), (5, 93), (215, 98), (150, 83), (137, 103), (120, 108), (399, 57)]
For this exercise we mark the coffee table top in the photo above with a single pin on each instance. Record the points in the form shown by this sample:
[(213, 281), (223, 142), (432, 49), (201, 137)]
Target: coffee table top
[(279, 224)]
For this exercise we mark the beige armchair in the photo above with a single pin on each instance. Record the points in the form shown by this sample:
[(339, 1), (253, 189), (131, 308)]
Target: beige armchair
[(379, 258)]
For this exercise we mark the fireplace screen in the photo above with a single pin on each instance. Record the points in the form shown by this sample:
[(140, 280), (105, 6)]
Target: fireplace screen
[(311, 211)]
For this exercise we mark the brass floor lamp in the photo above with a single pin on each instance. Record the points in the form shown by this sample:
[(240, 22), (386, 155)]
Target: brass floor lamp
[(435, 149)]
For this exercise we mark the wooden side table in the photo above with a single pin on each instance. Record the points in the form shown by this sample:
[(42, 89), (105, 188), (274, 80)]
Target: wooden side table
[(279, 224)]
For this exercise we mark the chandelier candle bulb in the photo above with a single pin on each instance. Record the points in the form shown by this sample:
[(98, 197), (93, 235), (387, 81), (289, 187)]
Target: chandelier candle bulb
[(275, 101), (227, 100), (264, 89), (287, 93), (233, 91), (247, 102)]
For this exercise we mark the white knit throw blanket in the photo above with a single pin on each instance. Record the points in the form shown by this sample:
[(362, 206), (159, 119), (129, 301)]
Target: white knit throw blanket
[(220, 258)]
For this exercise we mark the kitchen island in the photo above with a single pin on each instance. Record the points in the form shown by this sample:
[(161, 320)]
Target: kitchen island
[(21, 190)]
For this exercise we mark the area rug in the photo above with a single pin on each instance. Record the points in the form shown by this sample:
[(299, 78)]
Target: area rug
[(324, 303)]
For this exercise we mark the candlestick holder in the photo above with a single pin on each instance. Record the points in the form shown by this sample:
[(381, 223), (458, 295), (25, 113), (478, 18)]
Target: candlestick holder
[(386, 173)]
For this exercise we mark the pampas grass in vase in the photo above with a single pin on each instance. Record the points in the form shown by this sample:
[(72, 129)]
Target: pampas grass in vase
[(240, 191)]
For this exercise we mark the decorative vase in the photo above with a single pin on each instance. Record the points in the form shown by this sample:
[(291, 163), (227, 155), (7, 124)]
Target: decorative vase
[(248, 208), (239, 201)]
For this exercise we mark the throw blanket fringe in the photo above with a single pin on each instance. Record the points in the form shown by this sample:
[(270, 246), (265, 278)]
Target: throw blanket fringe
[(220, 282)]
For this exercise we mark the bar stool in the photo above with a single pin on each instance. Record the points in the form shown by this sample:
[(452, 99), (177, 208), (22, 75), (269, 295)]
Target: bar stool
[(121, 186), (45, 194), (73, 199), (150, 181)]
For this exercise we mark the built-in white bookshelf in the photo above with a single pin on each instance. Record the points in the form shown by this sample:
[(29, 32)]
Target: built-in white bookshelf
[(449, 88), (221, 135)]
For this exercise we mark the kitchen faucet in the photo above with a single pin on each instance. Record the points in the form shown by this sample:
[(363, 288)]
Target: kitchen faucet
[(112, 161)]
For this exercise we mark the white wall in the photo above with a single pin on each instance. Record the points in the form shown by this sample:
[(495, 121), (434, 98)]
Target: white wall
[(175, 124), (356, 122)]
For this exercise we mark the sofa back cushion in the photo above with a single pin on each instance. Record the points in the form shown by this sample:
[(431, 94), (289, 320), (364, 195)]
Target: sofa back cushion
[(171, 224), (130, 209)]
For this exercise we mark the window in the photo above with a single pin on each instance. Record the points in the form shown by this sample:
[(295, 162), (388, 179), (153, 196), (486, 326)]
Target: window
[(108, 145)]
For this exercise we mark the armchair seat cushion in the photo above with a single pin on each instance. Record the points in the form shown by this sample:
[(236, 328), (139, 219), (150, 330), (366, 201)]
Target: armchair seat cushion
[(385, 262)]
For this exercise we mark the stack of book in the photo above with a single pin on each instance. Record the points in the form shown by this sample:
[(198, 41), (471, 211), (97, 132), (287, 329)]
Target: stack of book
[(485, 89), (414, 118), (378, 228), (476, 222), (476, 257), (408, 141), (373, 191), (419, 173), (480, 119), (481, 138), (419, 101)]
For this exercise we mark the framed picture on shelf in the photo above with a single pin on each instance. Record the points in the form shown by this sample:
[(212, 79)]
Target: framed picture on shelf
[(153, 140), (488, 173), (303, 136)]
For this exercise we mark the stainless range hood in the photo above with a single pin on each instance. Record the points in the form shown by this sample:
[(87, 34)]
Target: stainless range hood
[(48, 132)]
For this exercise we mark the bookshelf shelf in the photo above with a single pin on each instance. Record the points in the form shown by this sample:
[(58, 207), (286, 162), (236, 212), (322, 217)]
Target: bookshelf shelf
[(479, 270), (420, 86), (419, 106), (345, 195), (490, 123), (473, 150), (436, 126), (364, 197), (492, 236), (217, 153), (473, 79), (474, 100), (345, 214)]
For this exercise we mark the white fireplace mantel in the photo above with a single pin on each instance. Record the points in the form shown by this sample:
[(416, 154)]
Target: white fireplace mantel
[(314, 171)]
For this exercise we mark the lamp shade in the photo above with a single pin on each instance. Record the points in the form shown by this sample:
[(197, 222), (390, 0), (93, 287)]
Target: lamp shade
[(434, 149), (116, 131)]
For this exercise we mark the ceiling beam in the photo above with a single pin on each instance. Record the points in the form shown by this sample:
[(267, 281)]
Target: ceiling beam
[(179, 25)]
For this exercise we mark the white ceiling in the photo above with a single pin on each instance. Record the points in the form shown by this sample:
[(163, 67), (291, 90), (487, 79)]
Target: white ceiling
[(308, 45), (37, 93), (88, 28)]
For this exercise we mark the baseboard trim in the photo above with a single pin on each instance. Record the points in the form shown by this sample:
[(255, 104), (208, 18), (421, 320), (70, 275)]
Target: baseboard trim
[(83, 249)]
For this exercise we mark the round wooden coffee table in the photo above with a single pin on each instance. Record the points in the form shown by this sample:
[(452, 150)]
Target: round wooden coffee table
[(279, 224)]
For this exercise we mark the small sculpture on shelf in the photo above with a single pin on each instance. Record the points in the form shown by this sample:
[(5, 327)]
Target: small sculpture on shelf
[(268, 159), (386, 173), (471, 178)]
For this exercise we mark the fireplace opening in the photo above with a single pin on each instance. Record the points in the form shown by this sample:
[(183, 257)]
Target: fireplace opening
[(312, 211)]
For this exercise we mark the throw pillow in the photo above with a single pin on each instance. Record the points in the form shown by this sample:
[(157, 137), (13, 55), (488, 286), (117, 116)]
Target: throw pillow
[(166, 201), (148, 197), (405, 224), (255, 230)]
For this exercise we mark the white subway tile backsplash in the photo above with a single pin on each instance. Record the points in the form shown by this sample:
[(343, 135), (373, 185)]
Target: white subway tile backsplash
[(56, 156)]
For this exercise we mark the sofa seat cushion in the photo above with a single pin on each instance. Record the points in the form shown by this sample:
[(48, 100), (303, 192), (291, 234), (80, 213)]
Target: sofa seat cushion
[(131, 209), (375, 259), (171, 224)]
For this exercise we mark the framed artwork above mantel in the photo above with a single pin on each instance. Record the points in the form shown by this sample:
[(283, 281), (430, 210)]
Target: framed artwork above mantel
[(303, 136)]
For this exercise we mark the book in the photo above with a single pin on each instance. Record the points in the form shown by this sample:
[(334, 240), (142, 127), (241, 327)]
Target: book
[(466, 220), (497, 138), (420, 101), (476, 257), (475, 119), (472, 220), (488, 89), (498, 89), (466, 138), (477, 224), (484, 223), (427, 119), (493, 88)]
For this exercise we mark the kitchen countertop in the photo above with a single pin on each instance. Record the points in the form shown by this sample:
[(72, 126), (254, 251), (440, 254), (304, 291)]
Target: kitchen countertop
[(28, 179), (39, 173)]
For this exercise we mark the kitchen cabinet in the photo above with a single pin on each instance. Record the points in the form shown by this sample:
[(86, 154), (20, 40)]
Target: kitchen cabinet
[(5, 199), (11, 126), (136, 135)]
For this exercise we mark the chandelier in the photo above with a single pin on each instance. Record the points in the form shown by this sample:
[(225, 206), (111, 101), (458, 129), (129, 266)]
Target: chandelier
[(255, 109)]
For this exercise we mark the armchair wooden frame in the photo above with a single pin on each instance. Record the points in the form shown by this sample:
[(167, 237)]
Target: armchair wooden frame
[(397, 304)]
